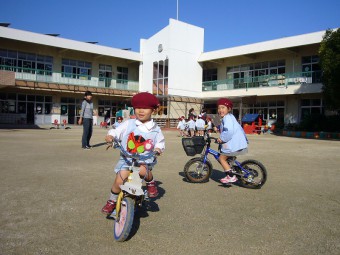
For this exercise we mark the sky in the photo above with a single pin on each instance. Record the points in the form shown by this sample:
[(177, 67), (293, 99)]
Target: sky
[(122, 23)]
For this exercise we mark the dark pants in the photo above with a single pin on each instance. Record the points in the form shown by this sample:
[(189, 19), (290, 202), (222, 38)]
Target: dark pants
[(87, 132)]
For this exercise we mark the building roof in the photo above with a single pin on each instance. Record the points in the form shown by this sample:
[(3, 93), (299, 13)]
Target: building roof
[(26, 36), (282, 43)]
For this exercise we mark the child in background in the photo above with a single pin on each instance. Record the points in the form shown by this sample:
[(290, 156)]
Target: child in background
[(143, 134), (118, 122), (200, 123), (191, 124), (181, 126), (209, 125), (232, 138)]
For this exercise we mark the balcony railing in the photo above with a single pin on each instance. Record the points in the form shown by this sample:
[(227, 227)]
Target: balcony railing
[(47, 76), (276, 80)]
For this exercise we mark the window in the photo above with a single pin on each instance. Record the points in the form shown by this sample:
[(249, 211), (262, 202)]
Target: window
[(160, 77), (311, 68), (122, 75), (108, 108), (210, 75), (44, 65), (256, 74), (105, 74), (310, 107), (8, 60), (13, 103), (25, 62), (76, 69)]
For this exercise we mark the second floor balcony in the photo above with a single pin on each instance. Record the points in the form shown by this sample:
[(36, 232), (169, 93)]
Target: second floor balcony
[(47, 76), (265, 81)]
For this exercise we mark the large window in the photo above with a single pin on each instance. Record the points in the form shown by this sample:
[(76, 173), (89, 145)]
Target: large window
[(105, 74), (25, 62), (270, 111), (310, 107), (109, 108), (17, 103), (160, 77), (210, 75), (122, 75), (256, 74), (311, 68), (76, 69), (44, 65)]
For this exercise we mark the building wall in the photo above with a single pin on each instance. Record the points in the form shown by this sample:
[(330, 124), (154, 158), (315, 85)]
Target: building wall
[(182, 45), (59, 54)]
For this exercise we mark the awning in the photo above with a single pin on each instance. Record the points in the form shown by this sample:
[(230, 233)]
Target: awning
[(250, 117)]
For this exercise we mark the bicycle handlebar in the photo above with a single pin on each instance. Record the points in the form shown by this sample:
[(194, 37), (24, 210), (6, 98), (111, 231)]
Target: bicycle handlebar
[(215, 139), (118, 144)]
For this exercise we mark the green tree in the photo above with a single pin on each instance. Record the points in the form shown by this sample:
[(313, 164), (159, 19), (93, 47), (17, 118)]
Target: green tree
[(329, 53)]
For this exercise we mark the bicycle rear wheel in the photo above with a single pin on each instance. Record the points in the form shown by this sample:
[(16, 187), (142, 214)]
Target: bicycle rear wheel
[(123, 225), (257, 174), (196, 171)]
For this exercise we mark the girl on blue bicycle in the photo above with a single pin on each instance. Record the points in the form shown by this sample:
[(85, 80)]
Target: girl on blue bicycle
[(233, 140)]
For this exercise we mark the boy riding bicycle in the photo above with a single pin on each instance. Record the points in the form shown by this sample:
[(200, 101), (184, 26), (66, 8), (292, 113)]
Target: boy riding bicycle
[(232, 138), (140, 135)]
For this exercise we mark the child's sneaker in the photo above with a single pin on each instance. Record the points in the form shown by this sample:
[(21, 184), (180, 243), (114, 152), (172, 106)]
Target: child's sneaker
[(229, 179), (152, 189), (109, 207)]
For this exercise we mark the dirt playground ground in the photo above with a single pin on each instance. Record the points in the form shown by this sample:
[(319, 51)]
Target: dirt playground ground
[(52, 192)]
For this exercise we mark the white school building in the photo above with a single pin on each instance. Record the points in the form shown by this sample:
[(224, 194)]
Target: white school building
[(43, 77)]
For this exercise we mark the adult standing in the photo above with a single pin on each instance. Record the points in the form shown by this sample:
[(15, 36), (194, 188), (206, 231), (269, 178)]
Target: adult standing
[(86, 118), (192, 114)]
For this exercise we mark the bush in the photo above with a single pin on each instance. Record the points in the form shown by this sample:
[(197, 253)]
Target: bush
[(320, 122)]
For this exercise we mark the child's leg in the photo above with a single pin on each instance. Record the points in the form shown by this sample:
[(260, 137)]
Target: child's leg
[(230, 177), (111, 203), (151, 185), (145, 173), (223, 161), (120, 177)]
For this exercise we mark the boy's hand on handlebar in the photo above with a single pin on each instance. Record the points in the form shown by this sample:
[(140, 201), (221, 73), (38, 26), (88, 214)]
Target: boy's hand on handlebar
[(158, 151), (109, 138), (109, 141), (219, 141)]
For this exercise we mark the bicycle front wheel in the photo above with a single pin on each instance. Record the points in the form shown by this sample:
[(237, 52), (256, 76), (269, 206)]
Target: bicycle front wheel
[(254, 174), (196, 171), (123, 224)]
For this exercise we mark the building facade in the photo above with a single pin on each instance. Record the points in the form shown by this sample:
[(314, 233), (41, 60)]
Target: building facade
[(43, 77)]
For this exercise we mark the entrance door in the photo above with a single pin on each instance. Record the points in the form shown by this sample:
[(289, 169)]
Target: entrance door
[(280, 115), (71, 113), (30, 113)]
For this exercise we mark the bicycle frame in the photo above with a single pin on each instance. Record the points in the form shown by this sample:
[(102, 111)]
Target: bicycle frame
[(216, 155), (133, 185)]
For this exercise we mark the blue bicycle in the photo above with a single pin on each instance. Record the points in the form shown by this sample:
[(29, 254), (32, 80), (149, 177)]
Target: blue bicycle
[(250, 173)]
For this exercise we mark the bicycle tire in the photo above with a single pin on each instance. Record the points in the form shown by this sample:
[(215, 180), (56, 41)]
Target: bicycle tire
[(193, 171), (122, 226), (258, 177)]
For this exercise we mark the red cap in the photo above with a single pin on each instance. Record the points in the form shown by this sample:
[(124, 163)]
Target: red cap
[(119, 118), (144, 100), (225, 102)]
